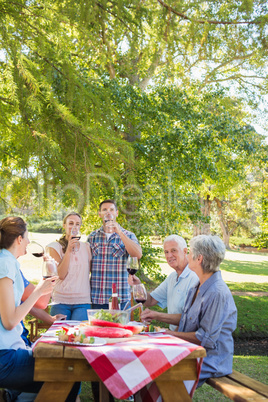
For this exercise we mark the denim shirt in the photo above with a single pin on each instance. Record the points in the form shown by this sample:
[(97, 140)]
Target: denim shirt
[(213, 318)]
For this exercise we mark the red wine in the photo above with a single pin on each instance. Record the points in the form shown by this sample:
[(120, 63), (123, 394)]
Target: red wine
[(38, 254), (76, 237), (131, 271), (140, 300)]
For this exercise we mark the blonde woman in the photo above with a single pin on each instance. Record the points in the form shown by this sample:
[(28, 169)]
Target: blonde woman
[(71, 294)]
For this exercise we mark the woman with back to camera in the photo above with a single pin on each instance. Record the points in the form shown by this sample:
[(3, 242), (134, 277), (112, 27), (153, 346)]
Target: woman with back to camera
[(71, 295), (16, 359)]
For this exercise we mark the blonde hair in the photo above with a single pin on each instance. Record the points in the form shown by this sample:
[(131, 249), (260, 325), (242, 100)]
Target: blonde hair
[(63, 241)]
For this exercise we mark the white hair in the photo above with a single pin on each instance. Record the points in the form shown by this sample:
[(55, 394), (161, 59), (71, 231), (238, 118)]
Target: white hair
[(211, 248), (178, 239)]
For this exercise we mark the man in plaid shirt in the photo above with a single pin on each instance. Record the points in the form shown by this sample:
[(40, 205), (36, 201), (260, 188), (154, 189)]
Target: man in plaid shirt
[(110, 246)]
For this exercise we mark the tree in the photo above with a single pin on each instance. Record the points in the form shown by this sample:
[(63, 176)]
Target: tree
[(77, 106)]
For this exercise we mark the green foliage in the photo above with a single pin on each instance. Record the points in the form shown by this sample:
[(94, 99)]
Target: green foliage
[(46, 227), (241, 241), (148, 261)]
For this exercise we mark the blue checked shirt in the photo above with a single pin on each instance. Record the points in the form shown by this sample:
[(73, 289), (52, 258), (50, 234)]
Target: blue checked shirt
[(108, 266)]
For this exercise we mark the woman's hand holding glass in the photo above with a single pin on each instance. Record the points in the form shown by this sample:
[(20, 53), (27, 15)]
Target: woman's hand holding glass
[(49, 268), (75, 235)]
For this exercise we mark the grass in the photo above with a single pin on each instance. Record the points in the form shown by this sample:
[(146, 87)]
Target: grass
[(248, 286), (245, 267), (252, 316)]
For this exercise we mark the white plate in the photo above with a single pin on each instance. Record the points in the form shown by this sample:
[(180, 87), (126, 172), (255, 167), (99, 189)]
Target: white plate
[(98, 342), (67, 322), (162, 331)]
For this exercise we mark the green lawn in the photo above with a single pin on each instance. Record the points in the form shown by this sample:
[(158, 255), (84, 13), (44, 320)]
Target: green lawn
[(245, 267), (248, 286)]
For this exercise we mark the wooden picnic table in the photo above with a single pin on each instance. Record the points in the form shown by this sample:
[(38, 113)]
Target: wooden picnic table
[(59, 366)]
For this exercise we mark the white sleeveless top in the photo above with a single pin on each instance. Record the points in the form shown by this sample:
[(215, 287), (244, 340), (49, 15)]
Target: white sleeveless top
[(75, 287)]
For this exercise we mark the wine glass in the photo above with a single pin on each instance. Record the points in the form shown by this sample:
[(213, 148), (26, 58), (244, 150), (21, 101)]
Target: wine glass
[(132, 265), (36, 249), (75, 234), (49, 267), (139, 293), (108, 218)]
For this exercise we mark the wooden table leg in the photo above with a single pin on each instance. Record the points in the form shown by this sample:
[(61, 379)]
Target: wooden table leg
[(104, 393), (173, 391), (54, 391)]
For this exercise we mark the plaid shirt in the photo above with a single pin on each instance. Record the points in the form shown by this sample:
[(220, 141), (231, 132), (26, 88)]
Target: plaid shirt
[(109, 259)]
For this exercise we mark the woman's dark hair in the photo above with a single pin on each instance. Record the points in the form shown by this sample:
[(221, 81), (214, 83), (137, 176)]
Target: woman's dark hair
[(63, 241), (11, 228)]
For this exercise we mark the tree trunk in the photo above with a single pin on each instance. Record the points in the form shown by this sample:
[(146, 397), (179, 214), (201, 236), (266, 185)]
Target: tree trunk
[(224, 227), (203, 227)]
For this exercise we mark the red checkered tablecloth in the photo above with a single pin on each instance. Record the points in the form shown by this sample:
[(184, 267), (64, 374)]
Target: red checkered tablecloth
[(126, 367)]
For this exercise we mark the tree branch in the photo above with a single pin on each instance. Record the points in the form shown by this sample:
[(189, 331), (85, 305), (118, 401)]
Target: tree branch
[(206, 21), (6, 101)]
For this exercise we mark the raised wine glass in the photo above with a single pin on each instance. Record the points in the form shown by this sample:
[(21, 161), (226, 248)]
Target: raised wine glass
[(75, 234), (35, 249), (109, 218), (132, 265)]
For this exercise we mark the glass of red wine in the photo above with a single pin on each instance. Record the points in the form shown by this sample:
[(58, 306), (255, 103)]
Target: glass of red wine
[(75, 234), (132, 265), (49, 267), (139, 293), (36, 249)]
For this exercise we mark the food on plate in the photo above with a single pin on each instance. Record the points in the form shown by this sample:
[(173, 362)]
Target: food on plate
[(136, 329), (103, 318), (107, 332), (73, 336), (151, 328), (103, 323)]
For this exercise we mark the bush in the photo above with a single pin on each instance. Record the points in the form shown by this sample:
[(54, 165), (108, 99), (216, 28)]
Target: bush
[(45, 227), (261, 241), (241, 241)]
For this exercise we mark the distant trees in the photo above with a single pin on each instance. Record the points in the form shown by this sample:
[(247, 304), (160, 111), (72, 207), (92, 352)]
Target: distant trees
[(124, 99)]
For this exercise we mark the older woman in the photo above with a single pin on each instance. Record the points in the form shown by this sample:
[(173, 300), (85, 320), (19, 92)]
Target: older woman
[(209, 316)]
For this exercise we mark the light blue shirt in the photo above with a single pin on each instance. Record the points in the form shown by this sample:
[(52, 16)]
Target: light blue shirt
[(173, 291), (213, 318), (10, 268)]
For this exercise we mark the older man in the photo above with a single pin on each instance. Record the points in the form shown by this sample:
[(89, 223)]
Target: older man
[(173, 291)]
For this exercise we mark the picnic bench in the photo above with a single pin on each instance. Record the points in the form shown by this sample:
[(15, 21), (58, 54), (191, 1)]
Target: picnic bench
[(239, 387)]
